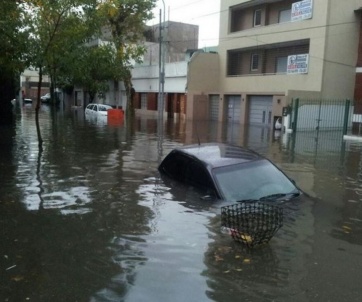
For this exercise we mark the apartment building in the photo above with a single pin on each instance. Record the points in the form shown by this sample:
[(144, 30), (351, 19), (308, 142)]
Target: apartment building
[(271, 51), (177, 37), (181, 55), (29, 79)]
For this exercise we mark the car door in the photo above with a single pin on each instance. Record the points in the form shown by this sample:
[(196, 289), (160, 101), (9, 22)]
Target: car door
[(197, 176), (95, 110), (89, 110), (174, 166)]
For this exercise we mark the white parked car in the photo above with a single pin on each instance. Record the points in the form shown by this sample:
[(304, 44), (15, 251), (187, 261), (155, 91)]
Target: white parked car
[(97, 110), (45, 98)]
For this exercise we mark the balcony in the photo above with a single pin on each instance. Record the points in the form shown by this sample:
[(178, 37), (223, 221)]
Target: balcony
[(265, 60)]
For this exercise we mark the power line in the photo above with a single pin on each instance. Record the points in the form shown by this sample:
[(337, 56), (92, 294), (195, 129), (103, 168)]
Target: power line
[(247, 35), (188, 4), (255, 37)]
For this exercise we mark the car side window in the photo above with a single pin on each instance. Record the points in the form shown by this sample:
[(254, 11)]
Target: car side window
[(197, 175), (175, 165)]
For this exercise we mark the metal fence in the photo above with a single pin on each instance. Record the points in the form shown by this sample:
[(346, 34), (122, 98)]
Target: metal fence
[(318, 129), (316, 115)]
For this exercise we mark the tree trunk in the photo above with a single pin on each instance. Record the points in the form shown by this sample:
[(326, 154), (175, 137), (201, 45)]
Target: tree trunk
[(7, 93), (130, 92), (51, 90), (37, 108)]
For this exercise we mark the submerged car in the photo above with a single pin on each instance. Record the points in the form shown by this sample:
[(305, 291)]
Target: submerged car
[(45, 98), (27, 100), (228, 172), (97, 110)]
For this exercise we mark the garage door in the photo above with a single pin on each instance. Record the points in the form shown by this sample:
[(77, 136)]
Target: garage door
[(214, 107), (260, 110), (234, 111)]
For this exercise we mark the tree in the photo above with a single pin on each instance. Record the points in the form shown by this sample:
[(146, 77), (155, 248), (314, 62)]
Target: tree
[(90, 67), (126, 19), (57, 27), (48, 34), (12, 59)]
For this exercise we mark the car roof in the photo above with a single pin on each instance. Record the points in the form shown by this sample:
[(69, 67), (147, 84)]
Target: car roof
[(219, 154), (98, 104)]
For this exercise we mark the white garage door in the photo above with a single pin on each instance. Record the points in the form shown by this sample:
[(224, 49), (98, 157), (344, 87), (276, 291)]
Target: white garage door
[(214, 107), (234, 108), (260, 110)]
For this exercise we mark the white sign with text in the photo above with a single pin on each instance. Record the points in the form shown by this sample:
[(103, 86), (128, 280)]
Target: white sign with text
[(298, 64), (302, 10)]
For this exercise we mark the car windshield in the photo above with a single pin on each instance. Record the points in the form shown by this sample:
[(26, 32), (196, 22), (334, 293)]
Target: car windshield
[(252, 180)]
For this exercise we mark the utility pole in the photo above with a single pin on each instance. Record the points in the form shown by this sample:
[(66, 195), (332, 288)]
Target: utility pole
[(161, 84), (163, 75), (160, 119), (162, 57), (160, 70)]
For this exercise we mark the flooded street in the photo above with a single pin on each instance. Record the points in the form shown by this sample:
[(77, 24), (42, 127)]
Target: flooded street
[(90, 218)]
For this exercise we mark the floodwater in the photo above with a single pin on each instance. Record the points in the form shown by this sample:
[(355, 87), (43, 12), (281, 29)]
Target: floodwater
[(90, 218)]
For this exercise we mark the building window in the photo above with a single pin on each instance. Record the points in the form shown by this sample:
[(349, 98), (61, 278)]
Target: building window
[(257, 17), (235, 62), (254, 66), (144, 101), (285, 15), (281, 65)]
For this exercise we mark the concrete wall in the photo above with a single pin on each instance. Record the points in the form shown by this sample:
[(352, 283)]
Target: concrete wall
[(179, 37), (202, 80), (146, 78), (341, 49)]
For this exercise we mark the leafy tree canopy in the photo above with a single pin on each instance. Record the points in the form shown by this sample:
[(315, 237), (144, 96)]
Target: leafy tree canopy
[(126, 20), (53, 35), (13, 37)]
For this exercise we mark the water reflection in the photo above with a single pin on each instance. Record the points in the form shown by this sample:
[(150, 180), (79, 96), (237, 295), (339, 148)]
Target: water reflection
[(68, 230), (174, 248), (7, 164), (90, 219), (245, 273), (349, 226), (266, 273)]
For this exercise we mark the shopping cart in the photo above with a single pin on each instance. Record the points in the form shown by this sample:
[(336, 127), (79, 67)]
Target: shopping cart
[(252, 222)]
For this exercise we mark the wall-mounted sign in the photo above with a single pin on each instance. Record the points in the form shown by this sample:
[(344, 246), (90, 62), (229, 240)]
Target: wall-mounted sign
[(298, 64), (302, 10)]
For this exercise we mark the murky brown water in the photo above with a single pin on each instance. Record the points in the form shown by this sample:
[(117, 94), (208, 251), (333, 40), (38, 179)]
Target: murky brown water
[(90, 219)]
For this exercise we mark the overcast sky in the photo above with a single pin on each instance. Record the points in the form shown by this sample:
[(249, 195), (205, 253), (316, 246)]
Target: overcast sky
[(204, 13)]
